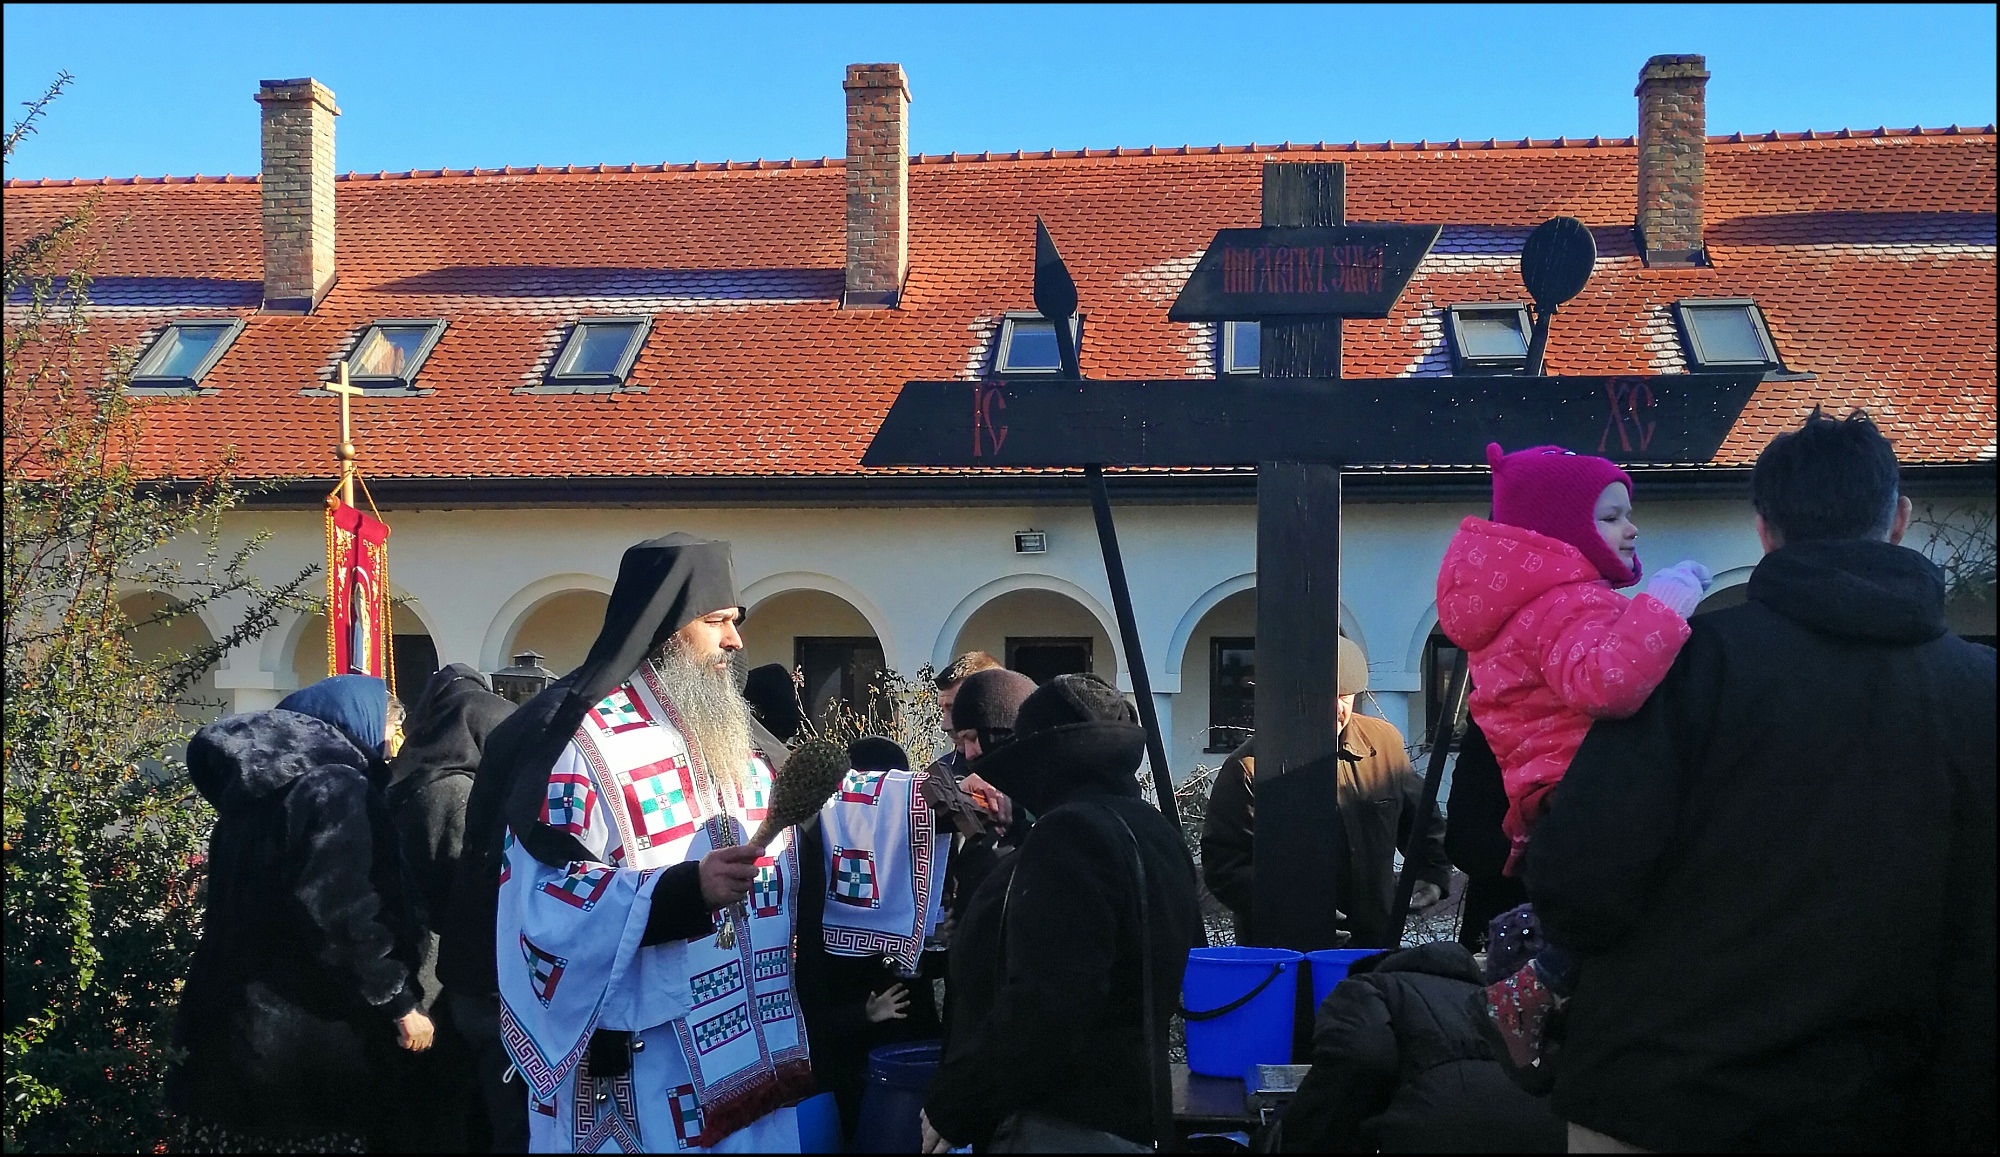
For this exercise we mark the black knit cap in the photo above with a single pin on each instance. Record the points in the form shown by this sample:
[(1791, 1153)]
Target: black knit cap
[(875, 753), (988, 700), (1075, 730)]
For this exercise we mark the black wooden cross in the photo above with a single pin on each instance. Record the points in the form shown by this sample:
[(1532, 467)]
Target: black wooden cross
[(1299, 422)]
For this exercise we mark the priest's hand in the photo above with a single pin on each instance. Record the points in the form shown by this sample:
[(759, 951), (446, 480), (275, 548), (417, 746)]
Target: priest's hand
[(893, 1004), (727, 873), (414, 1031), (932, 1142), (1424, 895)]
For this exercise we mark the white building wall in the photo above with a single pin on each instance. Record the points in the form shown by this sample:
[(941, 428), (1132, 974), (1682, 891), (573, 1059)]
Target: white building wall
[(918, 579)]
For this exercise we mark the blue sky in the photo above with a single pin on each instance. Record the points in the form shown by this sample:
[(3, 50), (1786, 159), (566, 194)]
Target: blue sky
[(167, 89)]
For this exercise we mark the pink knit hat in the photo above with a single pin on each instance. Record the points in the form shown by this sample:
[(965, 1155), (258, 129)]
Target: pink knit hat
[(1551, 491)]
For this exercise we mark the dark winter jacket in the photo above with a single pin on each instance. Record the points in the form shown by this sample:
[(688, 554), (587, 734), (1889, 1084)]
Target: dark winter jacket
[(1399, 1066), (1378, 799), (430, 781), (1779, 876), (1474, 839), (309, 943), (1050, 1020), (833, 991)]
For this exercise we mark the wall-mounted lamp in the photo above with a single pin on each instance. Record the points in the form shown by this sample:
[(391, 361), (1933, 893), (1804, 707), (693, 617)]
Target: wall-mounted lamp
[(1031, 542), (524, 680)]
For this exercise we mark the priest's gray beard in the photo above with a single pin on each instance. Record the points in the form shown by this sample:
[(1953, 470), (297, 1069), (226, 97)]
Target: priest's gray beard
[(714, 714)]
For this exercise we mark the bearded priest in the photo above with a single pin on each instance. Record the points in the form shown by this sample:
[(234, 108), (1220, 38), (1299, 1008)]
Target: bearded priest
[(630, 789)]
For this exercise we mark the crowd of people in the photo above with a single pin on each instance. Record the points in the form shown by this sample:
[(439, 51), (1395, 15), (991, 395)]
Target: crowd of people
[(1729, 878)]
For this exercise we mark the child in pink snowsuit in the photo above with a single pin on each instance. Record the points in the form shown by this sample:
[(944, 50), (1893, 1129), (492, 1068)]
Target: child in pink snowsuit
[(1552, 646)]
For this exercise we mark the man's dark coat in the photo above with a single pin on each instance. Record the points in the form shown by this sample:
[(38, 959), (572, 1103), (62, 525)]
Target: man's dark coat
[(1399, 1066), (309, 942), (1379, 796), (1049, 1017), (1779, 876)]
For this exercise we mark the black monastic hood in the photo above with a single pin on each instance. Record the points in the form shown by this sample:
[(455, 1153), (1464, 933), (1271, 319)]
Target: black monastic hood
[(448, 727), (663, 585)]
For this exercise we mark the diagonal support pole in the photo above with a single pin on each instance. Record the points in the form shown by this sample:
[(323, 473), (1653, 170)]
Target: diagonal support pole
[(1447, 726), (1128, 633)]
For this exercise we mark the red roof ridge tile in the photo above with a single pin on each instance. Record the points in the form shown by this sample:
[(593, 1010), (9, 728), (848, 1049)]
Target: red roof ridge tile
[(1052, 154)]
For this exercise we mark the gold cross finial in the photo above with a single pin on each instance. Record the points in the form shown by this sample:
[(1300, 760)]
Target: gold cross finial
[(345, 451)]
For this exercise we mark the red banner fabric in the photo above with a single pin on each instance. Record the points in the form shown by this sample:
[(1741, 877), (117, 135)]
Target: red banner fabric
[(357, 591)]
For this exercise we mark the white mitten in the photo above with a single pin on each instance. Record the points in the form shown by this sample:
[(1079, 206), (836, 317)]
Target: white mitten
[(1681, 586)]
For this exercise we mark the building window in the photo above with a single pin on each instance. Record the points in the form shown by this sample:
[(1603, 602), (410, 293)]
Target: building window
[(599, 351), (1042, 658), (1489, 338), (840, 675), (1232, 692), (1725, 333), (1027, 344), (390, 353), (181, 356), (1439, 655), (1240, 343)]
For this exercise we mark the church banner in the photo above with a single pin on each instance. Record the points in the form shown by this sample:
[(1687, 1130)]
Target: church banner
[(357, 593)]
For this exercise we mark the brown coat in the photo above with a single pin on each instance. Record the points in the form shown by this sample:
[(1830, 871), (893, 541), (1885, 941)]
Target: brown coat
[(1379, 795)]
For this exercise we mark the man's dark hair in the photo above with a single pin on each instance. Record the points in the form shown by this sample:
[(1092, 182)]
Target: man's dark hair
[(969, 663), (1830, 478)]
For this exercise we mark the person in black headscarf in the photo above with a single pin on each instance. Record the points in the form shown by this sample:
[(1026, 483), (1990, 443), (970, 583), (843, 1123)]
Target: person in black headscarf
[(605, 810), (774, 700), (434, 1098), (1048, 980), (304, 980)]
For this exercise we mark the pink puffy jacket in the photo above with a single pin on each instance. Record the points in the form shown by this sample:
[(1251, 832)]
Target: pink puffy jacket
[(1551, 648)]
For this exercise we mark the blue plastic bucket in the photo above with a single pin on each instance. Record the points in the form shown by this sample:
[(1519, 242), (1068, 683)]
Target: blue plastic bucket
[(1329, 967), (1238, 1004), (819, 1125), (898, 1078)]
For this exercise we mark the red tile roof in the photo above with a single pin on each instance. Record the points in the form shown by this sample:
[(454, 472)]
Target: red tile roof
[(1871, 252)]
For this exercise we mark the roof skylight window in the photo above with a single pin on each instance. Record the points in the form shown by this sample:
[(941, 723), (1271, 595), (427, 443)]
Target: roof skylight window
[(1241, 342), (1489, 337), (390, 353), (184, 353), (1725, 333), (1027, 344), (599, 351)]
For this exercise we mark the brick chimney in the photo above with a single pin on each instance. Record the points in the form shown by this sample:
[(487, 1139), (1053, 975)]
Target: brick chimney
[(878, 185), (1673, 134), (297, 186)]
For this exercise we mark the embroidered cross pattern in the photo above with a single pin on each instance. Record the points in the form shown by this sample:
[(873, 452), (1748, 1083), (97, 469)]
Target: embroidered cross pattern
[(767, 891), (754, 800), (720, 1029), (686, 1107), (853, 878), (660, 798), (770, 964), (773, 1007), (582, 886), (862, 787), (545, 970), (571, 800), (619, 712), (716, 982)]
